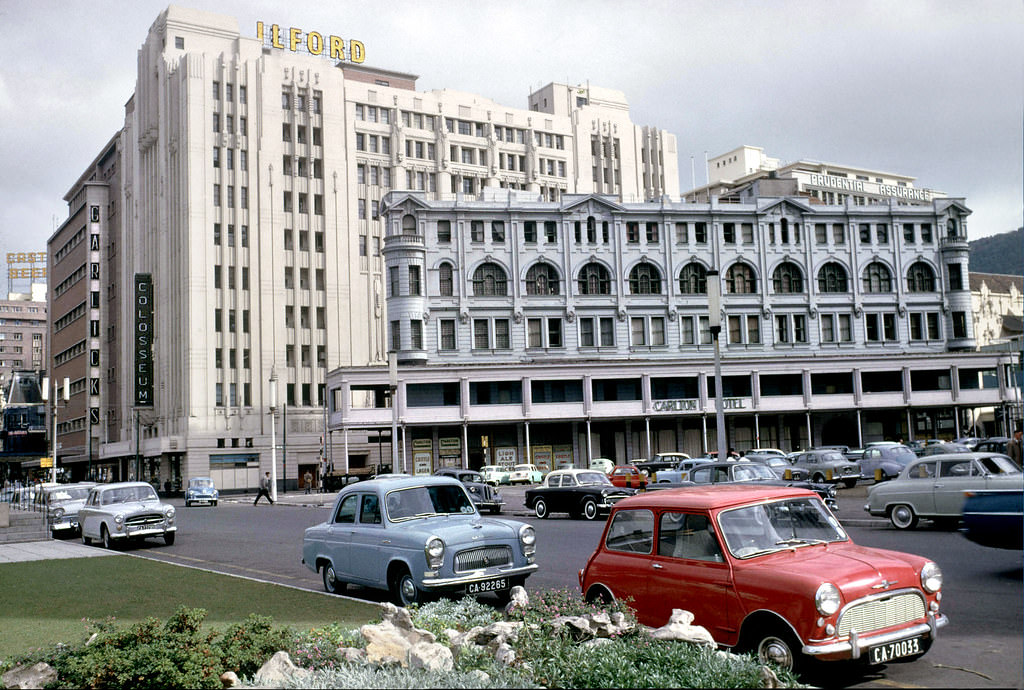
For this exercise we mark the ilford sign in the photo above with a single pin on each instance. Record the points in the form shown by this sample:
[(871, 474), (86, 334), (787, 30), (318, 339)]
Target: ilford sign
[(866, 187), (311, 42), (143, 340), (693, 405)]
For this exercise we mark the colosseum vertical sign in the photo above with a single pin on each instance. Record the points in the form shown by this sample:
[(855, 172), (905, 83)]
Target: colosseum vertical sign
[(143, 340)]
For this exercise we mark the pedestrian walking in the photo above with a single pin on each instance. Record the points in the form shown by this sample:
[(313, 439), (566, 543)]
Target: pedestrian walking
[(307, 479), (264, 489), (1015, 448)]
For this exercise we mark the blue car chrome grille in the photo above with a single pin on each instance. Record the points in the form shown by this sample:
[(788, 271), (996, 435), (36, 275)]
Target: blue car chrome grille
[(483, 557), (876, 614), (151, 519)]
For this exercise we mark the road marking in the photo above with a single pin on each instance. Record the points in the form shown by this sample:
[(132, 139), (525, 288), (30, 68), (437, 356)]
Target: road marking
[(221, 565), (894, 684)]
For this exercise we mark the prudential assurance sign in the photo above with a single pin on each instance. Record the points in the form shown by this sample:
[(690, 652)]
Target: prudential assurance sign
[(143, 340)]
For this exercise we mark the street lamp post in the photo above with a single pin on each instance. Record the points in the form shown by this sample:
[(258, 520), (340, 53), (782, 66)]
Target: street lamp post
[(67, 395), (393, 376), (715, 326), (273, 435)]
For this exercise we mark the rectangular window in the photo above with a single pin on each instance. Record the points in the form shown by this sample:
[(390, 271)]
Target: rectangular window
[(396, 336), (534, 333), (845, 328), (481, 334), (498, 231), (393, 284), (502, 340), (216, 156), (872, 328), (748, 233), (782, 334), (476, 231), (414, 280), (753, 329), (652, 233), (828, 328), (554, 332), (820, 234), (416, 334), (550, 231), (908, 233), (735, 329), (216, 122), (633, 232), (444, 231), (932, 320), (682, 233), (657, 330), (729, 233), (530, 231), (838, 233), (686, 332), (637, 331), (799, 328), (956, 278), (447, 334), (882, 233), (917, 326), (959, 324), (700, 233), (926, 232), (607, 332), (865, 233), (587, 333)]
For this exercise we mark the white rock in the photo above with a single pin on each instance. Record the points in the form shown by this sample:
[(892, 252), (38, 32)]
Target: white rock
[(229, 679), (279, 669), (36, 676), (431, 656)]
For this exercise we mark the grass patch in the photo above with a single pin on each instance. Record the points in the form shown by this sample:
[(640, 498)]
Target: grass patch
[(46, 602)]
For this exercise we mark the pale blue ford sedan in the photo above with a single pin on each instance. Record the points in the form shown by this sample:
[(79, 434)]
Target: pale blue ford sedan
[(418, 537)]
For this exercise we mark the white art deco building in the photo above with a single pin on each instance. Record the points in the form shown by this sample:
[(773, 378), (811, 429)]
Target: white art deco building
[(247, 187), (556, 332)]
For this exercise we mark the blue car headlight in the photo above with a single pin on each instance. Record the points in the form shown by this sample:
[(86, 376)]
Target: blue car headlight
[(434, 551)]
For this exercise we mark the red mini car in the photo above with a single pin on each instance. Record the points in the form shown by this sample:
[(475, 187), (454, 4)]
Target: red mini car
[(765, 570), (628, 476)]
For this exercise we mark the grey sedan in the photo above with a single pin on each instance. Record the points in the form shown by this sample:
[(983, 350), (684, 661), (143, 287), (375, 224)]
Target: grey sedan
[(933, 487), (125, 511), (827, 466), (417, 536)]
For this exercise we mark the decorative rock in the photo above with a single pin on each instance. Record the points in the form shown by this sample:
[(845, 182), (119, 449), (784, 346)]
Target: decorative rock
[(519, 599), (351, 654), (504, 654), (769, 679), (431, 656), (229, 679), (679, 628), (36, 676), (597, 642), (479, 676), (278, 670)]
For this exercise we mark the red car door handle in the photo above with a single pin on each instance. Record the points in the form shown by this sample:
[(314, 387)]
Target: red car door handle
[(656, 565)]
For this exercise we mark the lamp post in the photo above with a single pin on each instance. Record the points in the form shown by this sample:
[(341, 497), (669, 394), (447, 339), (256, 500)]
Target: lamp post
[(393, 376), (273, 434), (67, 395), (715, 326)]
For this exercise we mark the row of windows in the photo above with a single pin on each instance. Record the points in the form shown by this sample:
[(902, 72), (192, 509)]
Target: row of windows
[(303, 282), (732, 233), (650, 331), (229, 158), (299, 131), (298, 101), (302, 167), (373, 175), (229, 92), (372, 113), (229, 199), (231, 273), (218, 238), (318, 240), (229, 124), (290, 198), (373, 143), (291, 389), (490, 279)]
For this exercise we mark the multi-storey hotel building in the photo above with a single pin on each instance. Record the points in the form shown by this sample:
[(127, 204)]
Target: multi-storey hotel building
[(248, 177), (563, 331), (747, 172)]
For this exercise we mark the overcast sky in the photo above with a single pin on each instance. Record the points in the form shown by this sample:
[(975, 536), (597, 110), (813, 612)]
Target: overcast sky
[(928, 89)]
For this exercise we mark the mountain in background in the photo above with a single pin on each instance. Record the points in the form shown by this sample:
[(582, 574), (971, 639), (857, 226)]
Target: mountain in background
[(1003, 253)]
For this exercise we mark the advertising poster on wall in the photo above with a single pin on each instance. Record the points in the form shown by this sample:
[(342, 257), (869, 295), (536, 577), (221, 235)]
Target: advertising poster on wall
[(562, 456), (542, 458), (422, 462), (505, 457), (450, 450)]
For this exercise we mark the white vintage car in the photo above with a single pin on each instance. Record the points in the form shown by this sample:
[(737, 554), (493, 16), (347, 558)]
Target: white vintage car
[(125, 511)]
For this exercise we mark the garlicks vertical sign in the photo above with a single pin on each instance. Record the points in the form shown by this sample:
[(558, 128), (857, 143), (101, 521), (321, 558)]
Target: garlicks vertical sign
[(143, 340)]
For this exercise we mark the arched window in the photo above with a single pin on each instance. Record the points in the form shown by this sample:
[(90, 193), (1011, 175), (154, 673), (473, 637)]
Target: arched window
[(788, 278), (645, 279), (920, 278), (877, 278), (446, 280), (740, 280), (693, 279), (408, 224), (490, 280), (594, 280), (542, 279), (832, 278)]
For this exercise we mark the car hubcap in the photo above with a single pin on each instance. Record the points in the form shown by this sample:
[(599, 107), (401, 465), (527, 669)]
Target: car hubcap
[(902, 515), (776, 651), (408, 589), (330, 578)]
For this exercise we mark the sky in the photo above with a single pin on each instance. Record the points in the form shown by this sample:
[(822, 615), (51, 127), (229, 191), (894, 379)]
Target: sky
[(934, 90)]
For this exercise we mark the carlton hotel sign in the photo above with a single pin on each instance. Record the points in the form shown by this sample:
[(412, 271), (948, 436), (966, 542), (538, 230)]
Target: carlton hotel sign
[(845, 184), (693, 405)]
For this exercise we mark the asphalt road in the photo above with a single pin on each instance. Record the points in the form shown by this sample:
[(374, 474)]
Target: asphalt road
[(980, 648)]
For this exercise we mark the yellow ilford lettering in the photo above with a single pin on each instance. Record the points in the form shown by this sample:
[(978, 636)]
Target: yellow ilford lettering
[(294, 38), (315, 46), (259, 30), (337, 48), (275, 36), (357, 51)]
